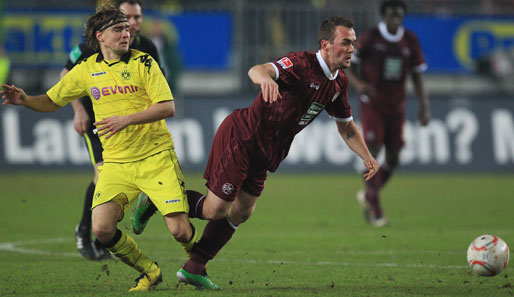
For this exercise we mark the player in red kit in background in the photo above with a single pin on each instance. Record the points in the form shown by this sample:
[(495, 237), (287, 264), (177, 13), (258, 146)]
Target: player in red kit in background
[(382, 61), (254, 140)]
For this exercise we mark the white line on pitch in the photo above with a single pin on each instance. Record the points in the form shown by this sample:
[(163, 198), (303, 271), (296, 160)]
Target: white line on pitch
[(15, 247)]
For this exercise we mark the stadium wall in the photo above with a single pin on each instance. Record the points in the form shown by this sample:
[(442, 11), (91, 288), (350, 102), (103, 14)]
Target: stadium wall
[(465, 134)]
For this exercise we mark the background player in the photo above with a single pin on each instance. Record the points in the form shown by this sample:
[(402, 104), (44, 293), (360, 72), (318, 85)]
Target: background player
[(385, 56), (84, 117), (131, 98), (254, 140)]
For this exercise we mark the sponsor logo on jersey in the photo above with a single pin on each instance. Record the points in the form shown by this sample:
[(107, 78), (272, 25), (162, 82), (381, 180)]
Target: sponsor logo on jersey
[(335, 96), (125, 75), (98, 73), (96, 93), (172, 201), (314, 86), (285, 63), (227, 188)]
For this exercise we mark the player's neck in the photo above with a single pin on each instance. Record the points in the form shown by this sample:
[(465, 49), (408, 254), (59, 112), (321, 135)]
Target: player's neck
[(110, 55)]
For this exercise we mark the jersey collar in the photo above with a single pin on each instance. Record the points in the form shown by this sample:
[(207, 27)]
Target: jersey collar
[(325, 68), (125, 58), (382, 27)]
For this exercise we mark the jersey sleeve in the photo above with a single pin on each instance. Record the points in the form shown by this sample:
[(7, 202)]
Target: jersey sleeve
[(154, 81), (417, 59), (69, 88), (340, 109), (289, 69)]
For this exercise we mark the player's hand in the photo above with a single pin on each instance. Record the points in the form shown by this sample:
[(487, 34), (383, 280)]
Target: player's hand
[(424, 116), (372, 166), (12, 95), (81, 121), (111, 125), (270, 91)]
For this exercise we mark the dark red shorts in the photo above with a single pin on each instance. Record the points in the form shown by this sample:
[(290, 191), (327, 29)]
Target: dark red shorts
[(378, 128), (230, 167)]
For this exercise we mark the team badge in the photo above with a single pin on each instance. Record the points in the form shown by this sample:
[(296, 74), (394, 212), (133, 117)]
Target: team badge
[(125, 75), (285, 62), (227, 188)]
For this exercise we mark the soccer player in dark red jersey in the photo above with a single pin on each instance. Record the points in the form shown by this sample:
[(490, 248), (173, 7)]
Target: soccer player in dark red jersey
[(252, 141), (383, 59)]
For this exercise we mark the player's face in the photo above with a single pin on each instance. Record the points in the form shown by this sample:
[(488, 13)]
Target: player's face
[(393, 18), (339, 51), (116, 38), (134, 15)]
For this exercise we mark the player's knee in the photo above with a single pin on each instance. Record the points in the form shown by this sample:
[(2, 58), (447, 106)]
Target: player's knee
[(103, 232), (214, 214), (179, 226)]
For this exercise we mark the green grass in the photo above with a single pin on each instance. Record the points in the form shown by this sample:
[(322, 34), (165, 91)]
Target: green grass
[(307, 237)]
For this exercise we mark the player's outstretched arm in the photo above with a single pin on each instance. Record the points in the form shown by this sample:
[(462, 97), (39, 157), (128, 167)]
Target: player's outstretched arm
[(17, 96), (156, 112), (264, 75), (354, 140)]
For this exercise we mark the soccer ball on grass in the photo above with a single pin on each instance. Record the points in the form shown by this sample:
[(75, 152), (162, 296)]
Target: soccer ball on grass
[(488, 255)]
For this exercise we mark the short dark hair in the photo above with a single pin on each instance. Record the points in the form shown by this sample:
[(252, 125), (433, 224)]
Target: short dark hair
[(106, 16), (327, 27), (392, 3), (131, 2)]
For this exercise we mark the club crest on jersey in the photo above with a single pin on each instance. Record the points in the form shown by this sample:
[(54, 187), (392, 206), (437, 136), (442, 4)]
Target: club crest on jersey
[(125, 75), (314, 86), (285, 62)]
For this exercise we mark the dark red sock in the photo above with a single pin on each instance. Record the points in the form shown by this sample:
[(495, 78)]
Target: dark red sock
[(373, 198), (195, 201), (215, 235), (383, 175)]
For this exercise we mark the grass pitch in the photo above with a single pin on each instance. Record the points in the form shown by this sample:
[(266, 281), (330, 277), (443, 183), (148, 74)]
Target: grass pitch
[(307, 237)]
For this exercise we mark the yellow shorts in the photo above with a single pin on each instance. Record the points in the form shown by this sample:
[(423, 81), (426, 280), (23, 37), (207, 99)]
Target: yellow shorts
[(159, 176)]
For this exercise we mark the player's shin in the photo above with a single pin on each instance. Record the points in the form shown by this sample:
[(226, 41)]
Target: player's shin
[(215, 236), (126, 249), (188, 246)]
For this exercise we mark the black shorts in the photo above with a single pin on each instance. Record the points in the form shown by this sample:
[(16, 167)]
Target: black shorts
[(93, 144)]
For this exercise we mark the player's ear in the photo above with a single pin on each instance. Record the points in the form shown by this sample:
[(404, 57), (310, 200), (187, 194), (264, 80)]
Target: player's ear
[(98, 35), (324, 44)]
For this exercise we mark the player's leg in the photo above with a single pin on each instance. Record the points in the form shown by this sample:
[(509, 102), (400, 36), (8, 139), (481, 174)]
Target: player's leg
[(216, 235), (373, 126), (92, 251), (394, 143), (225, 217), (114, 191)]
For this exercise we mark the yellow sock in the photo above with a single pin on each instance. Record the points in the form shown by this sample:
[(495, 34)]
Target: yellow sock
[(127, 250)]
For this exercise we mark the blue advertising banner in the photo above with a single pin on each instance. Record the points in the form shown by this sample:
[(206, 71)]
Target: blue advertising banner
[(43, 39), (453, 44)]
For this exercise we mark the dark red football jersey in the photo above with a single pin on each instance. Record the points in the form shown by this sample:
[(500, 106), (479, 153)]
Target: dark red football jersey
[(307, 88), (385, 61)]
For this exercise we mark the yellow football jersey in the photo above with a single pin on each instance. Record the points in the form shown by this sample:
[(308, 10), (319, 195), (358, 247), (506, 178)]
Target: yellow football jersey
[(120, 87)]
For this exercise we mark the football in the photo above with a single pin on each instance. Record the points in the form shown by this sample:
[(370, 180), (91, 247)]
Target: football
[(488, 255)]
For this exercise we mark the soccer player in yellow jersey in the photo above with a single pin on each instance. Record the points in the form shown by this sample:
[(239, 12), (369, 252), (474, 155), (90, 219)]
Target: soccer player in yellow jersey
[(131, 99)]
